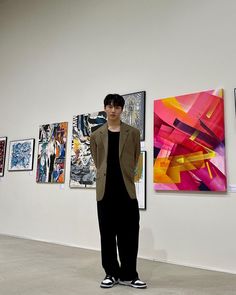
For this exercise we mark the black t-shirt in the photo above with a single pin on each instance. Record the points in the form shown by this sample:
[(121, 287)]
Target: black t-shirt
[(115, 187)]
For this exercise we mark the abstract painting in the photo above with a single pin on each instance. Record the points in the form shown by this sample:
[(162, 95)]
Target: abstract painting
[(83, 171), (3, 146), (189, 142), (140, 180), (21, 155), (52, 153), (134, 111)]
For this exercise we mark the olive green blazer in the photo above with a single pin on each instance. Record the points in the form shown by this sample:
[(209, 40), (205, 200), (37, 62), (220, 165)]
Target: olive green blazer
[(129, 151)]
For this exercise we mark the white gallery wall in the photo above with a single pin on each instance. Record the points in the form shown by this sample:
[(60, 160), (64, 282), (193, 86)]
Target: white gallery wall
[(59, 58)]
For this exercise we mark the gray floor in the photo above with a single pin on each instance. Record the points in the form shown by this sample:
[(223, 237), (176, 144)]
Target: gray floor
[(36, 268)]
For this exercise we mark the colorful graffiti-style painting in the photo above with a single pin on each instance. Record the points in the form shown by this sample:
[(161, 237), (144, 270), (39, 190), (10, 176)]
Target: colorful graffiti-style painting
[(52, 153), (21, 155), (83, 171), (189, 146), (140, 181), (134, 111), (3, 145)]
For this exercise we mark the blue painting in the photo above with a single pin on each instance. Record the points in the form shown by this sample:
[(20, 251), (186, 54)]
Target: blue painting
[(21, 155)]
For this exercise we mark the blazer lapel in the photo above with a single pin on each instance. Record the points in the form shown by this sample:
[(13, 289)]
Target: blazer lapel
[(124, 131)]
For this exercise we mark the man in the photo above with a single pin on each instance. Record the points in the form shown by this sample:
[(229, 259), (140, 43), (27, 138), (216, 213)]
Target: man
[(115, 149)]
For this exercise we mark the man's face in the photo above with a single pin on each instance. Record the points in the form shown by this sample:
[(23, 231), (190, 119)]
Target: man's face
[(113, 112)]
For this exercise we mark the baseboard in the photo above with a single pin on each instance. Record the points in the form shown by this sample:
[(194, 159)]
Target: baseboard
[(189, 265)]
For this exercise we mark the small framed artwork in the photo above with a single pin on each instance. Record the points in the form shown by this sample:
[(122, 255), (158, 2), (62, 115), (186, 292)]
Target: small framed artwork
[(134, 111), (21, 155), (140, 181), (3, 146)]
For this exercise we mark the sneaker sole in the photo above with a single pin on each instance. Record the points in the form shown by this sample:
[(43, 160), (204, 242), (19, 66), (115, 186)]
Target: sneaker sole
[(108, 286), (133, 286)]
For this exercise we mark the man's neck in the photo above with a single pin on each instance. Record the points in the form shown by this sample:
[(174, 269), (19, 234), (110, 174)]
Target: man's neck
[(114, 125)]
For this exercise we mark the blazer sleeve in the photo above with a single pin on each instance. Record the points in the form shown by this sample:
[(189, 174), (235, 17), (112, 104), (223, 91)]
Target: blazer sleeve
[(93, 148)]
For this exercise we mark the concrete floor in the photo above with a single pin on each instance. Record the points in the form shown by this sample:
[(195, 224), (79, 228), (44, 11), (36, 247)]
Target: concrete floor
[(36, 268)]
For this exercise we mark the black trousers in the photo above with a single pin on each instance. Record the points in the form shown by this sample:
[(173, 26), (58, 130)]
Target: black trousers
[(119, 229)]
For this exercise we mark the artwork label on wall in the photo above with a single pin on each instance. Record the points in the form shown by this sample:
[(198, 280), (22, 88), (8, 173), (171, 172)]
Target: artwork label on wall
[(21, 155), (52, 153), (3, 146), (189, 142), (83, 171), (134, 111), (140, 180)]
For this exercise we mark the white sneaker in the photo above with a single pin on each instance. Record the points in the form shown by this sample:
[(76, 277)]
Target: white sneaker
[(136, 283), (108, 282)]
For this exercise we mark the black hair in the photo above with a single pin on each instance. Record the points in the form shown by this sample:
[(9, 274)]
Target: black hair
[(115, 100)]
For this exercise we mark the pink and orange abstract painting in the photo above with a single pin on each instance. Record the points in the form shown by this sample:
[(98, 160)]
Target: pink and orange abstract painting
[(189, 146)]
